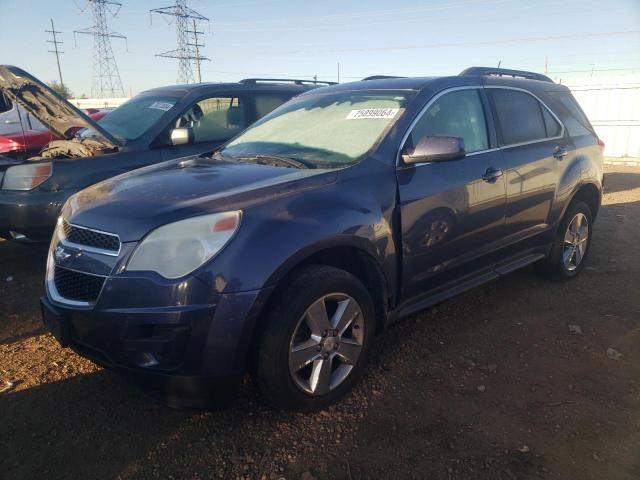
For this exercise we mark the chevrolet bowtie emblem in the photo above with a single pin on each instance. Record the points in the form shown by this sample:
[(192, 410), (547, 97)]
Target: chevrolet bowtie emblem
[(60, 255)]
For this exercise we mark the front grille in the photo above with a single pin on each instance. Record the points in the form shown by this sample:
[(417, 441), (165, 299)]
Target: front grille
[(77, 286), (90, 238)]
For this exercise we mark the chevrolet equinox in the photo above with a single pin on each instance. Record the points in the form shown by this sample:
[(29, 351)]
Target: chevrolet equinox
[(346, 208)]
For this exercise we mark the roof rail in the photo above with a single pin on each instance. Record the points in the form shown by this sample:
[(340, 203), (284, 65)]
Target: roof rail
[(380, 77), (505, 72), (285, 80)]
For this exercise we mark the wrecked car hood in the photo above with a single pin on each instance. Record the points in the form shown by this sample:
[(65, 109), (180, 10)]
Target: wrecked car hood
[(135, 203), (62, 118)]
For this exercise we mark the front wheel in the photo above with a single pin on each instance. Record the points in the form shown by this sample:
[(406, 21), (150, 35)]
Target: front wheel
[(316, 340), (571, 245)]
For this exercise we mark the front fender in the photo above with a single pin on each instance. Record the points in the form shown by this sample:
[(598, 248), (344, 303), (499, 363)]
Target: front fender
[(355, 211)]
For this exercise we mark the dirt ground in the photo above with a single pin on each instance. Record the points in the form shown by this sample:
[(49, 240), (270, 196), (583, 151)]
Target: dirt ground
[(489, 385)]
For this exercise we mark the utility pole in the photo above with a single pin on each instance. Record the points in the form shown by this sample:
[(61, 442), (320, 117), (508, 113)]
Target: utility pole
[(546, 64), (187, 53), (106, 80), (55, 50)]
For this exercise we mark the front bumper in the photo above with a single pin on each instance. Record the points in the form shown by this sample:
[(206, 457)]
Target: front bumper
[(187, 356), (32, 214)]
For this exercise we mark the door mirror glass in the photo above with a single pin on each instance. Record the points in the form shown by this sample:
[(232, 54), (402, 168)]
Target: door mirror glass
[(434, 149), (181, 136)]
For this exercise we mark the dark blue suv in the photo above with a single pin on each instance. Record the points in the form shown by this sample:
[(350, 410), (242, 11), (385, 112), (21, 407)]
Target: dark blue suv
[(346, 208)]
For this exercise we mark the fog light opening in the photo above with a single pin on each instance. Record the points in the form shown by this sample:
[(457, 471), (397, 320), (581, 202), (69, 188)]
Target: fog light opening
[(146, 360), (17, 236)]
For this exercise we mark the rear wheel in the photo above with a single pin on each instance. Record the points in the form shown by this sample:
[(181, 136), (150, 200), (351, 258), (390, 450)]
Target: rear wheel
[(316, 341), (571, 245)]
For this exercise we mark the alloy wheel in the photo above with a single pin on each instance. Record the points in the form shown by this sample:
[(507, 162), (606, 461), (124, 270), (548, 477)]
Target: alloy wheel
[(326, 343), (575, 241)]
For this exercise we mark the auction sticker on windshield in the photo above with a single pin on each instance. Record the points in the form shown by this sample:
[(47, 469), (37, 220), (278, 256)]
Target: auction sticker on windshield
[(372, 113), (161, 105)]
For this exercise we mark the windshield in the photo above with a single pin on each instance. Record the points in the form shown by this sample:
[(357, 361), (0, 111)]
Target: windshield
[(133, 118), (324, 131)]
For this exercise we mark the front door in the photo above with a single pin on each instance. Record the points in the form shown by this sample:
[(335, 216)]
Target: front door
[(452, 212), (212, 122)]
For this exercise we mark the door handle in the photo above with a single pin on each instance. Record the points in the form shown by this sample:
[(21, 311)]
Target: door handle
[(559, 153), (492, 174)]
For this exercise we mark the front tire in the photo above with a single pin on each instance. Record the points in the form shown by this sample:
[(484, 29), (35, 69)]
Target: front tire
[(571, 244), (316, 340)]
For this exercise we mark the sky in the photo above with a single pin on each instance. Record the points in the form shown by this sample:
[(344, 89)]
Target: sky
[(284, 38)]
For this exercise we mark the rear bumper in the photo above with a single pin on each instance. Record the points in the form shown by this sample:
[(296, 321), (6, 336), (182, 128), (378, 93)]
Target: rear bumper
[(192, 357), (32, 214)]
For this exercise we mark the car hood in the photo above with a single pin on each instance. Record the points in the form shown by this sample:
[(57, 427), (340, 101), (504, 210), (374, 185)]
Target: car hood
[(42, 102), (135, 203)]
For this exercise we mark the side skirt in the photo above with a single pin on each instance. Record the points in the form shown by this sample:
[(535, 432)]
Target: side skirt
[(421, 302)]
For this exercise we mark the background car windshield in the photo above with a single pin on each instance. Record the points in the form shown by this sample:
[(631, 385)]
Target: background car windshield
[(324, 130), (130, 120)]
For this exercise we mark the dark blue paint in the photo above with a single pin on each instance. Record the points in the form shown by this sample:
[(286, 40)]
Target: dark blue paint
[(373, 207)]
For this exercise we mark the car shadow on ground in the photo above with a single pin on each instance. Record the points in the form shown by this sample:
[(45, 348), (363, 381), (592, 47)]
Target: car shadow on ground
[(621, 181), (490, 384)]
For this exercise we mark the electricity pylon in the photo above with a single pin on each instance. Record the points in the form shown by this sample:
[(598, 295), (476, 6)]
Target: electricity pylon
[(106, 78), (187, 52)]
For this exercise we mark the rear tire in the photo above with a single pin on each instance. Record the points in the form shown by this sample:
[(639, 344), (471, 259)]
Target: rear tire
[(316, 339), (571, 244)]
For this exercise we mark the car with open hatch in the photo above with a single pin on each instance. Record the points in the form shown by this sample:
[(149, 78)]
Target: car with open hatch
[(154, 126), (285, 252)]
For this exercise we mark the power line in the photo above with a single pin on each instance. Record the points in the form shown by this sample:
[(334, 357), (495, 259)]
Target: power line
[(628, 69), (360, 19), (106, 80), (55, 50), (471, 43), (187, 53)]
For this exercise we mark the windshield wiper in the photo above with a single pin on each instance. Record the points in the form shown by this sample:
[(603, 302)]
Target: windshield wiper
[(278, 159), (218, 155)]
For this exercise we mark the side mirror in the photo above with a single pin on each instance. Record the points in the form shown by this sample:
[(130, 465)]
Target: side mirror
[(181, 136), (435, 149)]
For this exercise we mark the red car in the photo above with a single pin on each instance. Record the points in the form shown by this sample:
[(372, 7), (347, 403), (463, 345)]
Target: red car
[(16, 142)]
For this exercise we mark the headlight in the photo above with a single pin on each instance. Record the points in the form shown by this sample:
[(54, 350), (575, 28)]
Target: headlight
[(26, 177), (179, 248)]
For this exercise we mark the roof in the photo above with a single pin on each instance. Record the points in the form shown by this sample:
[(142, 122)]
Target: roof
[(180, 90), (472, 76)]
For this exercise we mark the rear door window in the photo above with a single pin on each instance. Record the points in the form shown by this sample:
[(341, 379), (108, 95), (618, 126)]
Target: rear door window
[(267, 102), (552, 126), (519, 116)]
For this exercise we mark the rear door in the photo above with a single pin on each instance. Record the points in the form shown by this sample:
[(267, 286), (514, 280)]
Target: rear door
[(452, 212), (535, 150)]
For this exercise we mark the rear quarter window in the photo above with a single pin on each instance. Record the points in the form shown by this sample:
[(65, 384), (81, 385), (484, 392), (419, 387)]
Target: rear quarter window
[(574, 118)]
